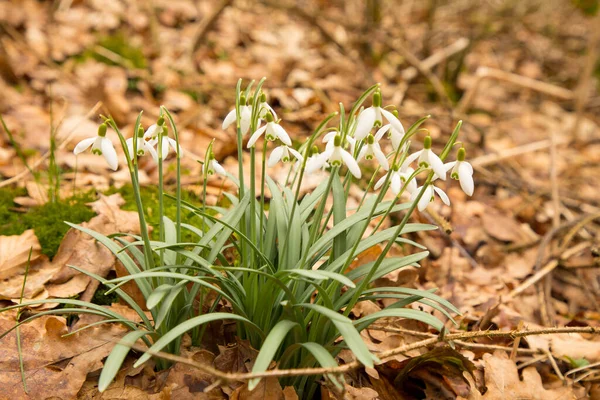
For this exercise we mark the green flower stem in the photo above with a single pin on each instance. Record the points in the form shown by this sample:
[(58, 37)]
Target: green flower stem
[(262, 194), (161, 206), (148, 257)]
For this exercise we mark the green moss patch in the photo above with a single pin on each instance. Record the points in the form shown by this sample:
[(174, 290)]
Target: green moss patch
[(47, 221)]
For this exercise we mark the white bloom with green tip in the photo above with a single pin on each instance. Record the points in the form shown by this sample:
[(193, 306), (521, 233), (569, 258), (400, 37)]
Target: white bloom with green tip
[(463, 172), (245, 116), (283, 153), (142, 146), (335, 156), (429, 196), (372, 150), (369, 116), (272, 132), (428, 159), (400, 177), (101, 146)]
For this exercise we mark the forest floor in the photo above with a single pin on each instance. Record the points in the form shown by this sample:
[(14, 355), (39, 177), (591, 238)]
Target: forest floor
[(521, 254)]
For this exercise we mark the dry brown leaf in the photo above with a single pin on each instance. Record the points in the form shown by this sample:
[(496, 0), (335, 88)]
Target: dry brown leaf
[(40, 272), (502, 227), (267, 389), (54, 364), (503, 382), (14, 252)]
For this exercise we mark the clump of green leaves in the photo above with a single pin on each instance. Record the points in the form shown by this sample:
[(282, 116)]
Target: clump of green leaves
[(288, 287)]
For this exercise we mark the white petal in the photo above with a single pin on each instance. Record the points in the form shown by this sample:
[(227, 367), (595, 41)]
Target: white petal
[(109, 153), (436, 165), (256, 135), (317, 162), (362, 153), (396, 138), (329, 136), (449, 165), (282, 134), (83, 145), (351, 163), (396, 184), (380, 182), (218, 168), (151, 132), (411, 186), (176, 147), (395, 122), (164, 148), (296, 154), (465, 177), (130, 147), (229, 119), (275, 156), (442, 195), (246, 117), (382, 131), (352, 142), (410, 159), (380, 157), (151, 150), (426, 199), (365, 122)]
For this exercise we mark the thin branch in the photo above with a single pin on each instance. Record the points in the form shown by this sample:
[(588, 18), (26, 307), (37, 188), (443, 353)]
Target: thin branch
[(228, 376)]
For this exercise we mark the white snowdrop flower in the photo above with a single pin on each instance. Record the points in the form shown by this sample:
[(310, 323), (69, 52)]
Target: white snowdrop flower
[(372, 150), (400, 177), (429, 196), (246, 116), (273, 131), (142, 145), (428, 159), (329, 140), (166, 143), (264, 107), (101, 145), (283, 153), (395, 135), (367, 118), (462, 171), (212, 166), (335, 156)]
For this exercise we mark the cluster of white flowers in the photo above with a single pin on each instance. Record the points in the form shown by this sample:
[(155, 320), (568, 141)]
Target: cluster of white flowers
[(145, 142), (341, 148)]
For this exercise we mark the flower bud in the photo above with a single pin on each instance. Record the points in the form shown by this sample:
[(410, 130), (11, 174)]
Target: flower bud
[(314, 150), (140, 132), (102, 130), (243, 100), (269, 117), (160, 121), (370, 139), (337, 141), (377, 99), (427, 142), (263, 97), (461, 154)]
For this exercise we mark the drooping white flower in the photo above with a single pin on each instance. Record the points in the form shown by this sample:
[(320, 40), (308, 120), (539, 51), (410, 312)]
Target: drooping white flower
[(400, 177), (335, 155), (212, 166), (372, 149), (166, 142), (101, 145), (428, 159), (283, 153), (367, 118), (429, 196), (329, 140), (395, 135), (273, 131), (463, 172), (142, 146), (264, 107), (245, 116)]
